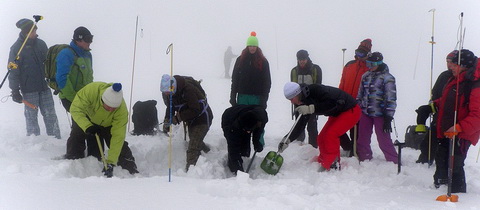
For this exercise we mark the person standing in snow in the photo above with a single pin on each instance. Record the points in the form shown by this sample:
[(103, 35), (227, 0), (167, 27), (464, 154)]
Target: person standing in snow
[(239, 124), (28, 76), (99, 109), (307, 73), (350, 81), (424, 111), (377, 97), (227, 61), (251, 80), (460, 98), (340, 107), (74, 71), (190, 105)]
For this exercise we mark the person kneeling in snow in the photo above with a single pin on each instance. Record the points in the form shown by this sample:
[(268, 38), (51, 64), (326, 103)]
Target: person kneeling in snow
[(239, 124), (99, 109), (340, 107)]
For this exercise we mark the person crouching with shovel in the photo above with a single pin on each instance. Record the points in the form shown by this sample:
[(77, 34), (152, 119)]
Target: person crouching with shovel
[(340, 108), (239, 124)]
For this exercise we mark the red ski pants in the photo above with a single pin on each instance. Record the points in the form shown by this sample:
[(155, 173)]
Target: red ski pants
[(329, 138)]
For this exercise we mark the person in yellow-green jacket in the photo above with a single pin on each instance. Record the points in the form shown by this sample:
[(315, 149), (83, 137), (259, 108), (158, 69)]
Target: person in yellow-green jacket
[(99, 109)]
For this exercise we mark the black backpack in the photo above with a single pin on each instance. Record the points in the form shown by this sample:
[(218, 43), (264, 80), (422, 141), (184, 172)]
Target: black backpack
[(413, 139), (196, 83), (144, 118)]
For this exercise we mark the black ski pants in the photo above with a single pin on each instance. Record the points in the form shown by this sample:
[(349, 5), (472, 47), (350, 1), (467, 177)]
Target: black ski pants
[(238, 145), (441, 159)]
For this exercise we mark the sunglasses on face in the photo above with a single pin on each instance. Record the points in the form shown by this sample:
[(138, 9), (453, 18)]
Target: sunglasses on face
[(87, 38)]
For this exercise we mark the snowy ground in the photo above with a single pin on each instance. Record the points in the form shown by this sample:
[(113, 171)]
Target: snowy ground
[(201, 31), (30, 179)]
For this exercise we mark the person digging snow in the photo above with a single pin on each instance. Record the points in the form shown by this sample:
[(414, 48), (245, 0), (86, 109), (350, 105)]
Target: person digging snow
[(239, 124), (99, 109), (340, 107), (189, 103)]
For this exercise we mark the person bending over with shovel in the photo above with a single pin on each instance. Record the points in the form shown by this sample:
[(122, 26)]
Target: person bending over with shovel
[(239, 124), (340, 108), (100, 111)]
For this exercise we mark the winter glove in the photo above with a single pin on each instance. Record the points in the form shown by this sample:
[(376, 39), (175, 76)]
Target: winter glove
[(166, 127), (109, 171), (425, 110), (420, 128), (233, 99), (176, 119), (450, 133), (305, 109), (387, 124), (92, 130), (258, 146), (16, 96), (12, 65)]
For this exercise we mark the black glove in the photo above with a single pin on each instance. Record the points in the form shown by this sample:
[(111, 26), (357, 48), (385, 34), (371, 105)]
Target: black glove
[(92, 130), (16, 96), (176, 119), (387, 124), (257, 146), (109, 171), (423, 112)]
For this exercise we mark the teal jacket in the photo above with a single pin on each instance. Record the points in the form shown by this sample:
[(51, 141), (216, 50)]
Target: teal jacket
[(74, 70)]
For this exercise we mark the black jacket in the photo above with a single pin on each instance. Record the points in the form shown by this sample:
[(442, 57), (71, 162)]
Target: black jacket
[(230, 124), (328, 101)]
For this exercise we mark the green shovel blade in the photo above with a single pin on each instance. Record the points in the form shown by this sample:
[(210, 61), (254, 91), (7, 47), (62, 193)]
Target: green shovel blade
[(272, 163)]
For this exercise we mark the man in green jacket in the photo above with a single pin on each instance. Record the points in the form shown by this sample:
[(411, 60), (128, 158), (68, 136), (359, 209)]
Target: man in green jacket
[(99, 109)]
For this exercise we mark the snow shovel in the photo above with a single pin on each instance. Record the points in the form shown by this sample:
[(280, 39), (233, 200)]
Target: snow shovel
[(250, 164), (273, 161), (101, 151)]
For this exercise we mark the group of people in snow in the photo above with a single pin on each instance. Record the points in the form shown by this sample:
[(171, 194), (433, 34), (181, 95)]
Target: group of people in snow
[(364, 101), (99, 114)]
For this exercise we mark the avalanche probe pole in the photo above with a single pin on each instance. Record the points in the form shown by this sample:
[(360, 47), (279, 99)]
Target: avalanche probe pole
[(13, 65), (133, 73), (430, 161), (170, 50)]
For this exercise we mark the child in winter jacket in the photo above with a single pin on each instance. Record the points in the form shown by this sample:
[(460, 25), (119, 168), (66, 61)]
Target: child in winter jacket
[(377, 98)]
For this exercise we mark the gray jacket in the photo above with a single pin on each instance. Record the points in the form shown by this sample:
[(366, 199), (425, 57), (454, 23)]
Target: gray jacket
[(30, 75)]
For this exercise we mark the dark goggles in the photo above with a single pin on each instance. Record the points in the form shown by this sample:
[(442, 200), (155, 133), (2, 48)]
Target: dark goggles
[(88, 38), (361, 54), (371, 64)]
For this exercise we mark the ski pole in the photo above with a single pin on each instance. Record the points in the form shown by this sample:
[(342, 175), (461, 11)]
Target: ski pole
[(399, 164), (251, 161), (170, 51), (133, 72), (13, 65), (343, 63), (400, 145)]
